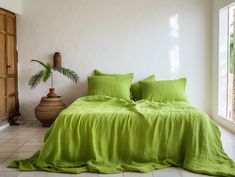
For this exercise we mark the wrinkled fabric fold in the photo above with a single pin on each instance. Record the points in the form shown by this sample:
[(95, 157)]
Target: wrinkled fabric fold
[(110, 135)]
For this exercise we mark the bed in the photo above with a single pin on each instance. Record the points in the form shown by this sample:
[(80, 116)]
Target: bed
[(104, 134)]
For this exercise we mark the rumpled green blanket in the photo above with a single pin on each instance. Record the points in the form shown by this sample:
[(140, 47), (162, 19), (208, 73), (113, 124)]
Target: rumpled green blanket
[(110, 135)]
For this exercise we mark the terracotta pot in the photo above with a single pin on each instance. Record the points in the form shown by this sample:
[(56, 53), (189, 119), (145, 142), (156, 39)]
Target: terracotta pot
[(48, 110), (52, 93), (57, 59)]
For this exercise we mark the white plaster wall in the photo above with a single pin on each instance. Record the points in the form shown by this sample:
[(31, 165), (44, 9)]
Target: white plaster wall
[(11, 5), (217, 4), (170, 39)]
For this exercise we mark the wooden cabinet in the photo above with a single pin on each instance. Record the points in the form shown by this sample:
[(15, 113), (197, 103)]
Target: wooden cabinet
[(8, 66)]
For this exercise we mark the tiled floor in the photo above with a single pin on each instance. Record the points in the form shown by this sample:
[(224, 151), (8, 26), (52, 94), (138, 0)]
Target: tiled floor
[(19, 142)]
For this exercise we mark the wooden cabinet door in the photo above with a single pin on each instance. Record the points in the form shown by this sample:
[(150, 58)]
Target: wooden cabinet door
[(11, 64), (8, 66), (3, 70)]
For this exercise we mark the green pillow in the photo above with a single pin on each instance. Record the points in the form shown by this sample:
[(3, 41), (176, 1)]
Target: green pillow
[(99, 73), (136, 89), (110, 86), (162, 91)]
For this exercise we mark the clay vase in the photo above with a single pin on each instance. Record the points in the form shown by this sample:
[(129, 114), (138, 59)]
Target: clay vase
[(57, 59), (48, 110), (52, 93)]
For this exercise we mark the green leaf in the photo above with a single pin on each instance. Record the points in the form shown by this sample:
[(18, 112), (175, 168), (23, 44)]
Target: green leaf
[(47, 72), (70, 74), (36, 79), (44, 65)]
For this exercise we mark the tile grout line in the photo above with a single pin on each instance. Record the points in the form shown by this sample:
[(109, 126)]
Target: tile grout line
[(10, 153), (17, 148), (179, 171)]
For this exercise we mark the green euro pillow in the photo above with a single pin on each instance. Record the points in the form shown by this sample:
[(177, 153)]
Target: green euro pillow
[(110, 86), (163, 91), (99, 73), (136, 89)]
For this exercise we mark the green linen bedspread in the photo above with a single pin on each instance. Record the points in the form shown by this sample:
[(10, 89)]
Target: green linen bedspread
[(110, 135)]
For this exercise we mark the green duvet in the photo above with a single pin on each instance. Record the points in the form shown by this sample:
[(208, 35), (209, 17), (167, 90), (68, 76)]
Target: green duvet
[(110, 135)]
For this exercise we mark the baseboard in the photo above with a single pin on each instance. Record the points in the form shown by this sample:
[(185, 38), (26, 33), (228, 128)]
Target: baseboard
[(4, 125)]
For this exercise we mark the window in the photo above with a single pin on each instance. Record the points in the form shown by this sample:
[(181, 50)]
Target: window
[(226, 101)]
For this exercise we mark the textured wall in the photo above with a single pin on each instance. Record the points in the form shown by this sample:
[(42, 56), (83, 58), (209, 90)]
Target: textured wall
[(168, 38), (12, 5)]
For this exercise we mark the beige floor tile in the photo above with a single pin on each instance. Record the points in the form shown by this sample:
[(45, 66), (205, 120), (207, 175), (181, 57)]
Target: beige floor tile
[(28, 149), (37, 139), (4, 154), (2, 160), (6, 162), (8, 148), (31, 129), (42, 132), (18, 140), (8, 137), (20, 155), (60, 175), (25, 132), (167, 172), (87, 175), (38, 136), (112, 175), (185, 173), (29, 135), (9, 174), (33, 174), (15, 144), (8, 134), (33, 143), (24, 137), (134, 174), (4, 140), (44, 128), (20, 136), (3, 168)]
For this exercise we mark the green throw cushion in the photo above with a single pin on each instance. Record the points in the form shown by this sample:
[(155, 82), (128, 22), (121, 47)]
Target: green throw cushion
[(136, 89), (162, 91), (99, 73), (110, 86)]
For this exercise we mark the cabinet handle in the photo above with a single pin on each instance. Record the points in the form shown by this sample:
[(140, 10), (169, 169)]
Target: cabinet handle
[(8, 66)]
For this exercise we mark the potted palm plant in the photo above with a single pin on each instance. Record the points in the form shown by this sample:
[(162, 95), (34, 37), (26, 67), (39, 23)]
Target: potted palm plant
[(47, 72), (50, 106)]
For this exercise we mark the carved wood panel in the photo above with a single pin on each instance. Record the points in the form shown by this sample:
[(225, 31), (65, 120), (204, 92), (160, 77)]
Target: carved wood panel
[(8, 66)]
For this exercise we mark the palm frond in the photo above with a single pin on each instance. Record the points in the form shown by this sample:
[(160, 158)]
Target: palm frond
[(47, 72), (72, 75), (35, 79), (41, 63)]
